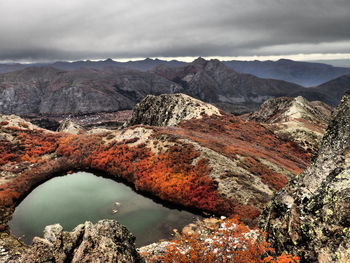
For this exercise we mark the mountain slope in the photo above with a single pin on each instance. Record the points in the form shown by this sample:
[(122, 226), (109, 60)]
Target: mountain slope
[(303, 73), (49, 91), (213, 82)]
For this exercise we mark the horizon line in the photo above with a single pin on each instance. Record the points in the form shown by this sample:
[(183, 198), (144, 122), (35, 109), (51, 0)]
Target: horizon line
[(295, 57)]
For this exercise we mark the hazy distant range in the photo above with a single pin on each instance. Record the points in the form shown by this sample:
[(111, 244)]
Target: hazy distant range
[(307, 74)]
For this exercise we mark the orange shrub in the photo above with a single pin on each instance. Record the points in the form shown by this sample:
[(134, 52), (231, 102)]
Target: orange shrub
[(230, 242)]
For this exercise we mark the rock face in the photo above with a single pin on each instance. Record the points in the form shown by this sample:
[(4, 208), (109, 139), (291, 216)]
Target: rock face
[(105, 242), (49, 91), (296, 119), (169, 110), (214, 82), (310, 217)]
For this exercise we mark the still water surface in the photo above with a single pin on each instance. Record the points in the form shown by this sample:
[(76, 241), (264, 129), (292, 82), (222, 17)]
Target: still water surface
[(73, 199)]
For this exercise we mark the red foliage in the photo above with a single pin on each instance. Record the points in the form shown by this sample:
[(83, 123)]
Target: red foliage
[(232, 136), (37, 143), (273, 179), (4, 123), (177, 174), (232, 243), (169, 175)]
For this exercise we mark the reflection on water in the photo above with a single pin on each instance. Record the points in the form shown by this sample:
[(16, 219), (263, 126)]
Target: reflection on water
[(73, 199)]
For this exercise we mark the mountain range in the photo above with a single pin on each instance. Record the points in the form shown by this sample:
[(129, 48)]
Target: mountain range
[(46, 90), (307, 74)]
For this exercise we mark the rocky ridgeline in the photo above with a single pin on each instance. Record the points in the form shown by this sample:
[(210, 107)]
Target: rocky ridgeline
[(310, 216), (169, 110), (48, 91), (295, 119)]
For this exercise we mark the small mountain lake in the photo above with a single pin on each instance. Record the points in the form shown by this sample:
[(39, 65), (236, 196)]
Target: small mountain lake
[(73, 199)]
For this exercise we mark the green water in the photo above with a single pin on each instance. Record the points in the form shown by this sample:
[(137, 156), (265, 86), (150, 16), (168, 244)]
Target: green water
[(73, 199)]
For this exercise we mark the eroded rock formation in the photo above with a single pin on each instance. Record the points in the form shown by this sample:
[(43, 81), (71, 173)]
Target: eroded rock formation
[(310, 217), (169, 110), (295, 119)]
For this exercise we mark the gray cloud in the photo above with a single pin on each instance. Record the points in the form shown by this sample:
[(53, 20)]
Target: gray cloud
[(89, 29)]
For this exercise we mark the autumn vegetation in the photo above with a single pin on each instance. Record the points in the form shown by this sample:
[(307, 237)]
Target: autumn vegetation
[(226, 242), (232, 137), (178, 174)]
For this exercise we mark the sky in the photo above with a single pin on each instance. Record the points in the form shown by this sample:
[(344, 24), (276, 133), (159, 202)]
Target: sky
[(51, 30)]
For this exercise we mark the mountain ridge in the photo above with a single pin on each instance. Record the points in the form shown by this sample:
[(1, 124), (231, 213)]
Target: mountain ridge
[(308, 74)]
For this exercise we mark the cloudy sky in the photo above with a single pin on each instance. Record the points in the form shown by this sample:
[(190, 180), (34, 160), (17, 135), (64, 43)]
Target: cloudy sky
[(48, 30)]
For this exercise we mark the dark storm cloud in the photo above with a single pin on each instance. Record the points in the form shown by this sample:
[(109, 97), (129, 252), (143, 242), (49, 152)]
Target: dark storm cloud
[(88, 29)]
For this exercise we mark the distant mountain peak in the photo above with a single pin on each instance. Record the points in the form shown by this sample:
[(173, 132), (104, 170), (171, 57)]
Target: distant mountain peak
[(109, 60), (199, 61)]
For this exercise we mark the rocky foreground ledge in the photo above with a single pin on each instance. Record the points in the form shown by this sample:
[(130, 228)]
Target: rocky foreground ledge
[(104, 242), (310, 217)]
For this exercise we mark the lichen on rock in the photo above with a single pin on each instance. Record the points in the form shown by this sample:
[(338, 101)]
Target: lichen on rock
[(310, 217)]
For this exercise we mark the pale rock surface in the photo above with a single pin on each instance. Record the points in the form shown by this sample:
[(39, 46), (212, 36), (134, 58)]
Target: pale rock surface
[(296, 119), (169, 110), (69, 126)]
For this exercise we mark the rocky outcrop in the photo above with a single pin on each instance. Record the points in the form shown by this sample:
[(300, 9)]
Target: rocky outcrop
[(169, 110), (104, 242), (70, 127), (296, 119), (310, 217)]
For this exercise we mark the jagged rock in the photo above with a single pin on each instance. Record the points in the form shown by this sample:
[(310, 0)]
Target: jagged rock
[(169, 110), (70, 127), (310, 217), (103, 242), (296, 119)]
